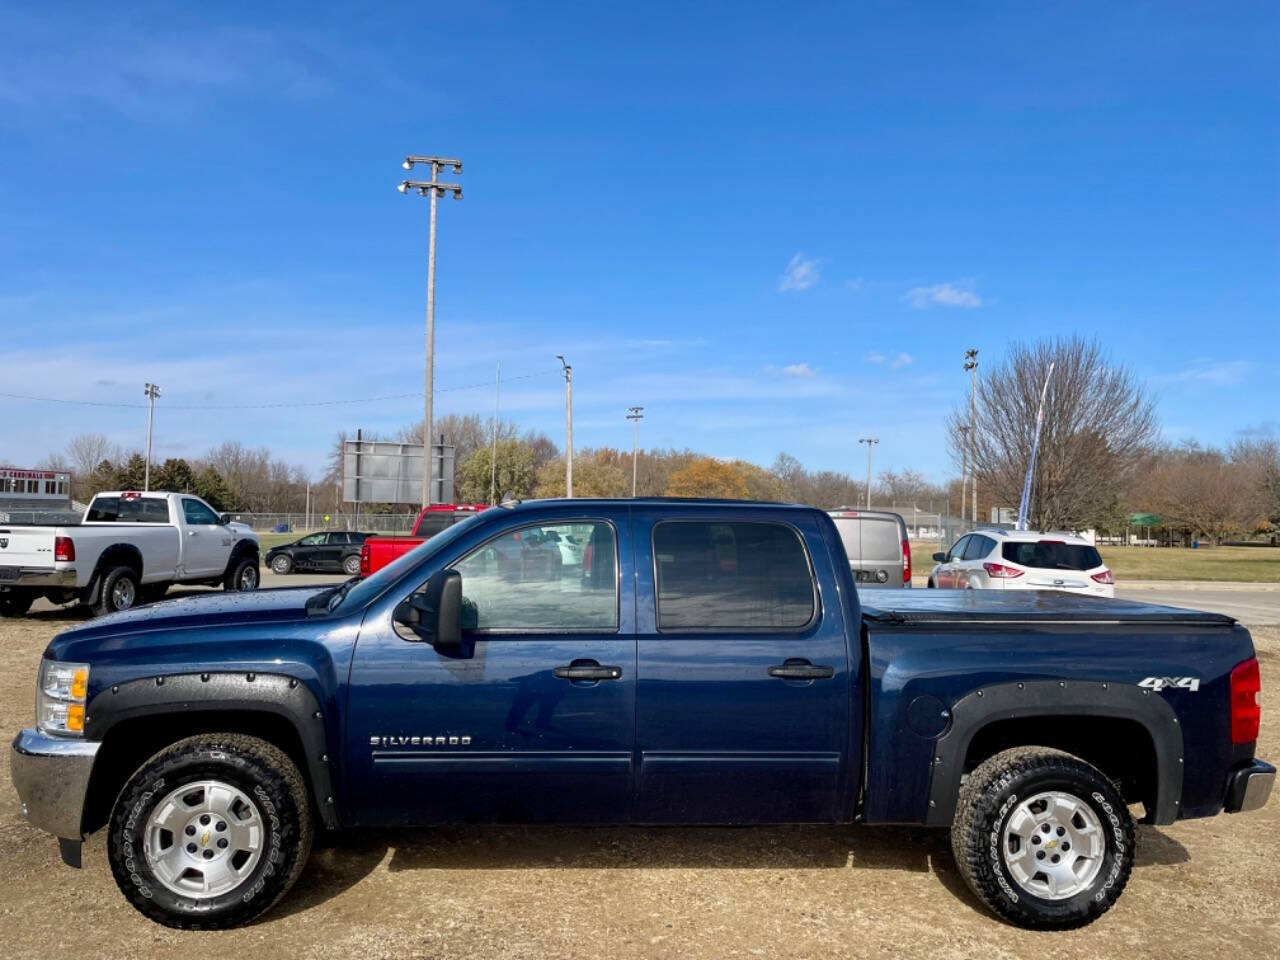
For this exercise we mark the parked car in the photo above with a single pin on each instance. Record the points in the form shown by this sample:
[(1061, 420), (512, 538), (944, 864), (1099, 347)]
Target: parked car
[(335, 551), (877, 546), (998, 559), (130, 548), (378, 551), (719, 666)]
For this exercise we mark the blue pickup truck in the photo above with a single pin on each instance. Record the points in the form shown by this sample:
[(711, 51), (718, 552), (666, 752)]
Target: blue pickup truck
[(702, 662)]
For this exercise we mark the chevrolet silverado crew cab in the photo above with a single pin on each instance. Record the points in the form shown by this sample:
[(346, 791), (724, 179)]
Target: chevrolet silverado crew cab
[(715, 665), (129, 549)]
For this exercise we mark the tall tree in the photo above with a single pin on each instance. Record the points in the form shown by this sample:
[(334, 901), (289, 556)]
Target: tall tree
[(1099, 424), (707, 477)]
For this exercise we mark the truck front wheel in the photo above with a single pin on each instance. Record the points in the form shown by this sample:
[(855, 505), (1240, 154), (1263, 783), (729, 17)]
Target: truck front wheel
[(210, 832), (1043, 838), (242, 575)]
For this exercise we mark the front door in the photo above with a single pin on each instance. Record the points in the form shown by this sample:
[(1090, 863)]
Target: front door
[(532, 719), (743, 710), (329, 556), (207, 544)]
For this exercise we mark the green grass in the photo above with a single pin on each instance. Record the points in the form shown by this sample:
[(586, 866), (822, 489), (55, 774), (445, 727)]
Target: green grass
[(1243, 564), (269, 540)]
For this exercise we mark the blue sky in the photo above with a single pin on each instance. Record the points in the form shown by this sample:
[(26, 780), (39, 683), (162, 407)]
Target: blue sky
[(775, 226)]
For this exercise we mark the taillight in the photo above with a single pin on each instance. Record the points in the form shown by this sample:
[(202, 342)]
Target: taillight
[(64, 548), (1001, 572), (1103, 576), (364, 559), (906, 561), (587, 554), (1246, 701)]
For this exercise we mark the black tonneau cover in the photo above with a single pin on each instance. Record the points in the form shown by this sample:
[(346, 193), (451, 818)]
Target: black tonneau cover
[(1020, 606)]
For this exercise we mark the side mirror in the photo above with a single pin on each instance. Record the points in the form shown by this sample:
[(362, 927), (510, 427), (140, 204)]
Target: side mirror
[(224, 519), (939, 558), (435, 613)]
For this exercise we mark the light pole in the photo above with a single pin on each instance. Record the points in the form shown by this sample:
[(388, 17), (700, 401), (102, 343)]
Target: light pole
[(635, 415), (870, 442), (433, 188), (971, 364), (151, 391), (964, 470), (568, 425)]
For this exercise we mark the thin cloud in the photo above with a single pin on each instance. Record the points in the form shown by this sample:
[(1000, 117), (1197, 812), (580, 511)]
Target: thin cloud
[(1221, 373), (943, 295), (902, 360), (875, 357), (801, 274), (801, 371)]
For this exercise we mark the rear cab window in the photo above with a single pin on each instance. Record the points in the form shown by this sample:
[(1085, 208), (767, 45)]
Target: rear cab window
[(128, 510), (732, 576), (1051, 554)]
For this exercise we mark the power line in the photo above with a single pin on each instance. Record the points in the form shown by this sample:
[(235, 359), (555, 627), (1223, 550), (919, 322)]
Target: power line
[(265, 406)]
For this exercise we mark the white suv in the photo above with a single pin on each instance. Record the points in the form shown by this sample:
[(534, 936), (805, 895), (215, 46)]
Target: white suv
[(994, 559)]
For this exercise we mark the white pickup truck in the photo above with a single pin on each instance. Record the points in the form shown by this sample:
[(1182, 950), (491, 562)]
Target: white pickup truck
[(129, 549)]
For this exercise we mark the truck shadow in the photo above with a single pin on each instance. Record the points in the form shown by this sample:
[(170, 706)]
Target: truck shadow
[(341, 861)]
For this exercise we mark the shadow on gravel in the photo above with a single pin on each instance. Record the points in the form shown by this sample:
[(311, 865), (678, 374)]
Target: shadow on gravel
[(341, 861)]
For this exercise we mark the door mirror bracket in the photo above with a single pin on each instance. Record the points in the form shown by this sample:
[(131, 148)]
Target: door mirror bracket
[(434, 613)]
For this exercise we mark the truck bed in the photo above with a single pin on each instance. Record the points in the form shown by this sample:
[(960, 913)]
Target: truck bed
[(1022, 606)]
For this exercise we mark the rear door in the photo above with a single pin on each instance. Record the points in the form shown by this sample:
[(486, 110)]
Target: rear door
[(329, 556), (881, 552), (743, 702)]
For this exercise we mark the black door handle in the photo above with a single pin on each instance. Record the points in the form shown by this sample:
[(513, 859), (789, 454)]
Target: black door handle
[(796, 668), (587, 670)]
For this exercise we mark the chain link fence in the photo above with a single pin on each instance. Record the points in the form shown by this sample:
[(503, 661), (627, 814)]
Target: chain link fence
[(305, 523)]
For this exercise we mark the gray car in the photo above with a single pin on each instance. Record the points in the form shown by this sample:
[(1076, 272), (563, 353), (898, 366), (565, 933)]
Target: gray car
[(877, 545)]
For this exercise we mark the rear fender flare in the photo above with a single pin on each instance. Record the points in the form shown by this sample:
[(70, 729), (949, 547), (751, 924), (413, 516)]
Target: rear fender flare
[(284, 696), (1048, 698)]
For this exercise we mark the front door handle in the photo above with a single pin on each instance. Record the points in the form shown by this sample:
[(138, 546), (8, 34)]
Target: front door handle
[(797, 668), (587, 670)]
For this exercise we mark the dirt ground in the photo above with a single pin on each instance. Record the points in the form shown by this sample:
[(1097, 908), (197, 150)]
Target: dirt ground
[(1201, 888)]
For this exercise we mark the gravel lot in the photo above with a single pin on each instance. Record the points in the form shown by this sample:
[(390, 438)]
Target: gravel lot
[(1200, 888)]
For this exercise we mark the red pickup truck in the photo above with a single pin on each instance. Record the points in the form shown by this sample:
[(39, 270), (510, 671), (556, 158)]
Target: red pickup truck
[(377, 552)]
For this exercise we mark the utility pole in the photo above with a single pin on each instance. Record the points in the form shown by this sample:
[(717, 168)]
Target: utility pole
[(964, 471), (433, 188), (971, 364), (870, 442), (635, 415), (568, 425), (306, 517), (151, 391), (493, 456)]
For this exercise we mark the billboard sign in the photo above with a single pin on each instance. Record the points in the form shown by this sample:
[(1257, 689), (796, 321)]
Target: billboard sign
[(381, 471)]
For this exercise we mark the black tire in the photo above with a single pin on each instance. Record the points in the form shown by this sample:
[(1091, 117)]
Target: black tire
[(120, 591), (1001, 787), (259, 770), (242, 576), (931, 585), (15, 603), (351, 565), (281, 564)]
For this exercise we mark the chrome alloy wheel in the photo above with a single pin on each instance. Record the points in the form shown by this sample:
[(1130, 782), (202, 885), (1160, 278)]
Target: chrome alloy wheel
[(248, 578), (123, 593), (204, 839), (1053, 845)]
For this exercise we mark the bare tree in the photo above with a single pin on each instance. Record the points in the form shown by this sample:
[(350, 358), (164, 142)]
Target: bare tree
[(1099, 424), (87, 450)]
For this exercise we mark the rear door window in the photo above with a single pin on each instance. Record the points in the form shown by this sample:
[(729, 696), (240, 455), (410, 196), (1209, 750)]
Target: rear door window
[(850, 530), (978, 547), (732, 576), (958, 549), (881, 540), (1052, 554)]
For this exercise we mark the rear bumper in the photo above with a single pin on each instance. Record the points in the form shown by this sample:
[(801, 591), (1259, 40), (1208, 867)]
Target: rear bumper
[(51, 775), (1249, 787), (37, 577)]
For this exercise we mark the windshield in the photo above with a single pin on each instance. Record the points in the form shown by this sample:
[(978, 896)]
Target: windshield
[(1051, 555), (362, 592)]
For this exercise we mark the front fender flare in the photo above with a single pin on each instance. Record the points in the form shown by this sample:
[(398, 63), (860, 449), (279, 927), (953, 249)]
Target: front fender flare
[(284, 696), (1047, 698)]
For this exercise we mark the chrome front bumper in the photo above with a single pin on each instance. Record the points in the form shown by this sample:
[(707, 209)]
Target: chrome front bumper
[(51, 775)]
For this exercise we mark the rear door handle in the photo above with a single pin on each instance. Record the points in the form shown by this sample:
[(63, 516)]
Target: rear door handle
[(797, 668), (587, 670)]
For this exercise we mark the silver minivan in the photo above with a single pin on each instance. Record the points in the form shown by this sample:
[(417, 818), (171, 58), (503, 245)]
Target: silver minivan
[(877, 545)]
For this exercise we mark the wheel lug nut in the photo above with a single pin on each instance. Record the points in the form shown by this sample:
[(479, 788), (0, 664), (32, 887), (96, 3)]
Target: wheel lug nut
[(191, 848), (1056, 858), (204, 819), (222, 843), (1035, 839), (191, 830), (1039, 854), (1065, 846), (220, 826), (1062, 831), (208, 854)]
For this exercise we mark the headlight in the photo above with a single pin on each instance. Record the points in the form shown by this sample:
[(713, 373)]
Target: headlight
[(61, 692)]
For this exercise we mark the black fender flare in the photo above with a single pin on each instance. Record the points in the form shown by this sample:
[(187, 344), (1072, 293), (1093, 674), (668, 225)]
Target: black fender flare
[(1047, 698), (118, 554), (242, 549), (284, 696)]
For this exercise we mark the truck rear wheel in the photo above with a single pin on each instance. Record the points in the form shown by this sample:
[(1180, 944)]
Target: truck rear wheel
[(119, 591), (15, 604), (210, 832), (1043, 838)]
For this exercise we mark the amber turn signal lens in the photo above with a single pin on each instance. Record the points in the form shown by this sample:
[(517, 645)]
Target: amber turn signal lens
[(75, 717)]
